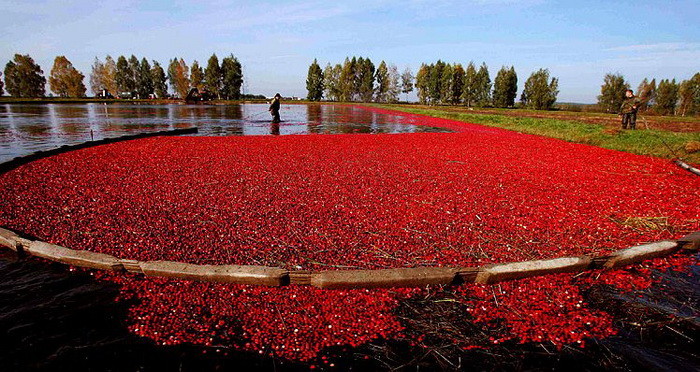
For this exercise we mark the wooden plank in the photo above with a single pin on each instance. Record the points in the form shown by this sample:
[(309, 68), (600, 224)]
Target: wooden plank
[(86, 259), (640, 253), (255, 275), (519, 270), (384, 278)]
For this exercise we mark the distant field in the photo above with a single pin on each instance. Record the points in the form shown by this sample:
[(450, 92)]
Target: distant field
[(582, 127)]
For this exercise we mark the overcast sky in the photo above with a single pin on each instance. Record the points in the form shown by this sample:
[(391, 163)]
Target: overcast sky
[(579, 41)]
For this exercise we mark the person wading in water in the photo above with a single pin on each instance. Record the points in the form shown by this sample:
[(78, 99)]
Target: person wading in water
[(275, 108)]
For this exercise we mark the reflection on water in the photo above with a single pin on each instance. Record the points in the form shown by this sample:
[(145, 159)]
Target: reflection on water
[(28, 128)]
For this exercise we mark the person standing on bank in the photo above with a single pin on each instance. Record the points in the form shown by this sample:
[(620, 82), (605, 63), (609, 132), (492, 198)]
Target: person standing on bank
[(275, 108), (628, 110)]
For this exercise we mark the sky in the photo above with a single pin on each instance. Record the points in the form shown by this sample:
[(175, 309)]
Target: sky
[(578, 41)]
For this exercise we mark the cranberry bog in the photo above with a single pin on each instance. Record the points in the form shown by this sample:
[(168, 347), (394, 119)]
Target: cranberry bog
[(469, 198)]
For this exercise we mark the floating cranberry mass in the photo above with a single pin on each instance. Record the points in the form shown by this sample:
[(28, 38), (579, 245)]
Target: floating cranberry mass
[(326, 202)]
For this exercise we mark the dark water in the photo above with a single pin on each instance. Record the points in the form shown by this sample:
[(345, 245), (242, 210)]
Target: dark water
[(27, 128), (52, 318)]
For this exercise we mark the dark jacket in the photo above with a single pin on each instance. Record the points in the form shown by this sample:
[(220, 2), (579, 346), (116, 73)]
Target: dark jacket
[(630, 105), (275, 105)]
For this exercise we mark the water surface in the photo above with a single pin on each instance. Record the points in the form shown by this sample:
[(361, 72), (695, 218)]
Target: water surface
[(26, 128)]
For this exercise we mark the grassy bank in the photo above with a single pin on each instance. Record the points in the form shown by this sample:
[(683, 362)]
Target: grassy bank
[(667, 123), (643, 142)]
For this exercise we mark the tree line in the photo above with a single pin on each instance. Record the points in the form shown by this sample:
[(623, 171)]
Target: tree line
[(668, 97), (452, 84), (132, 78), (140, 79), (357, 79)]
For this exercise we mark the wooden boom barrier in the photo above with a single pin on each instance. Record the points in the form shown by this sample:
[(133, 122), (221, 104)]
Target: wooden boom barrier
[(346, 279)]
